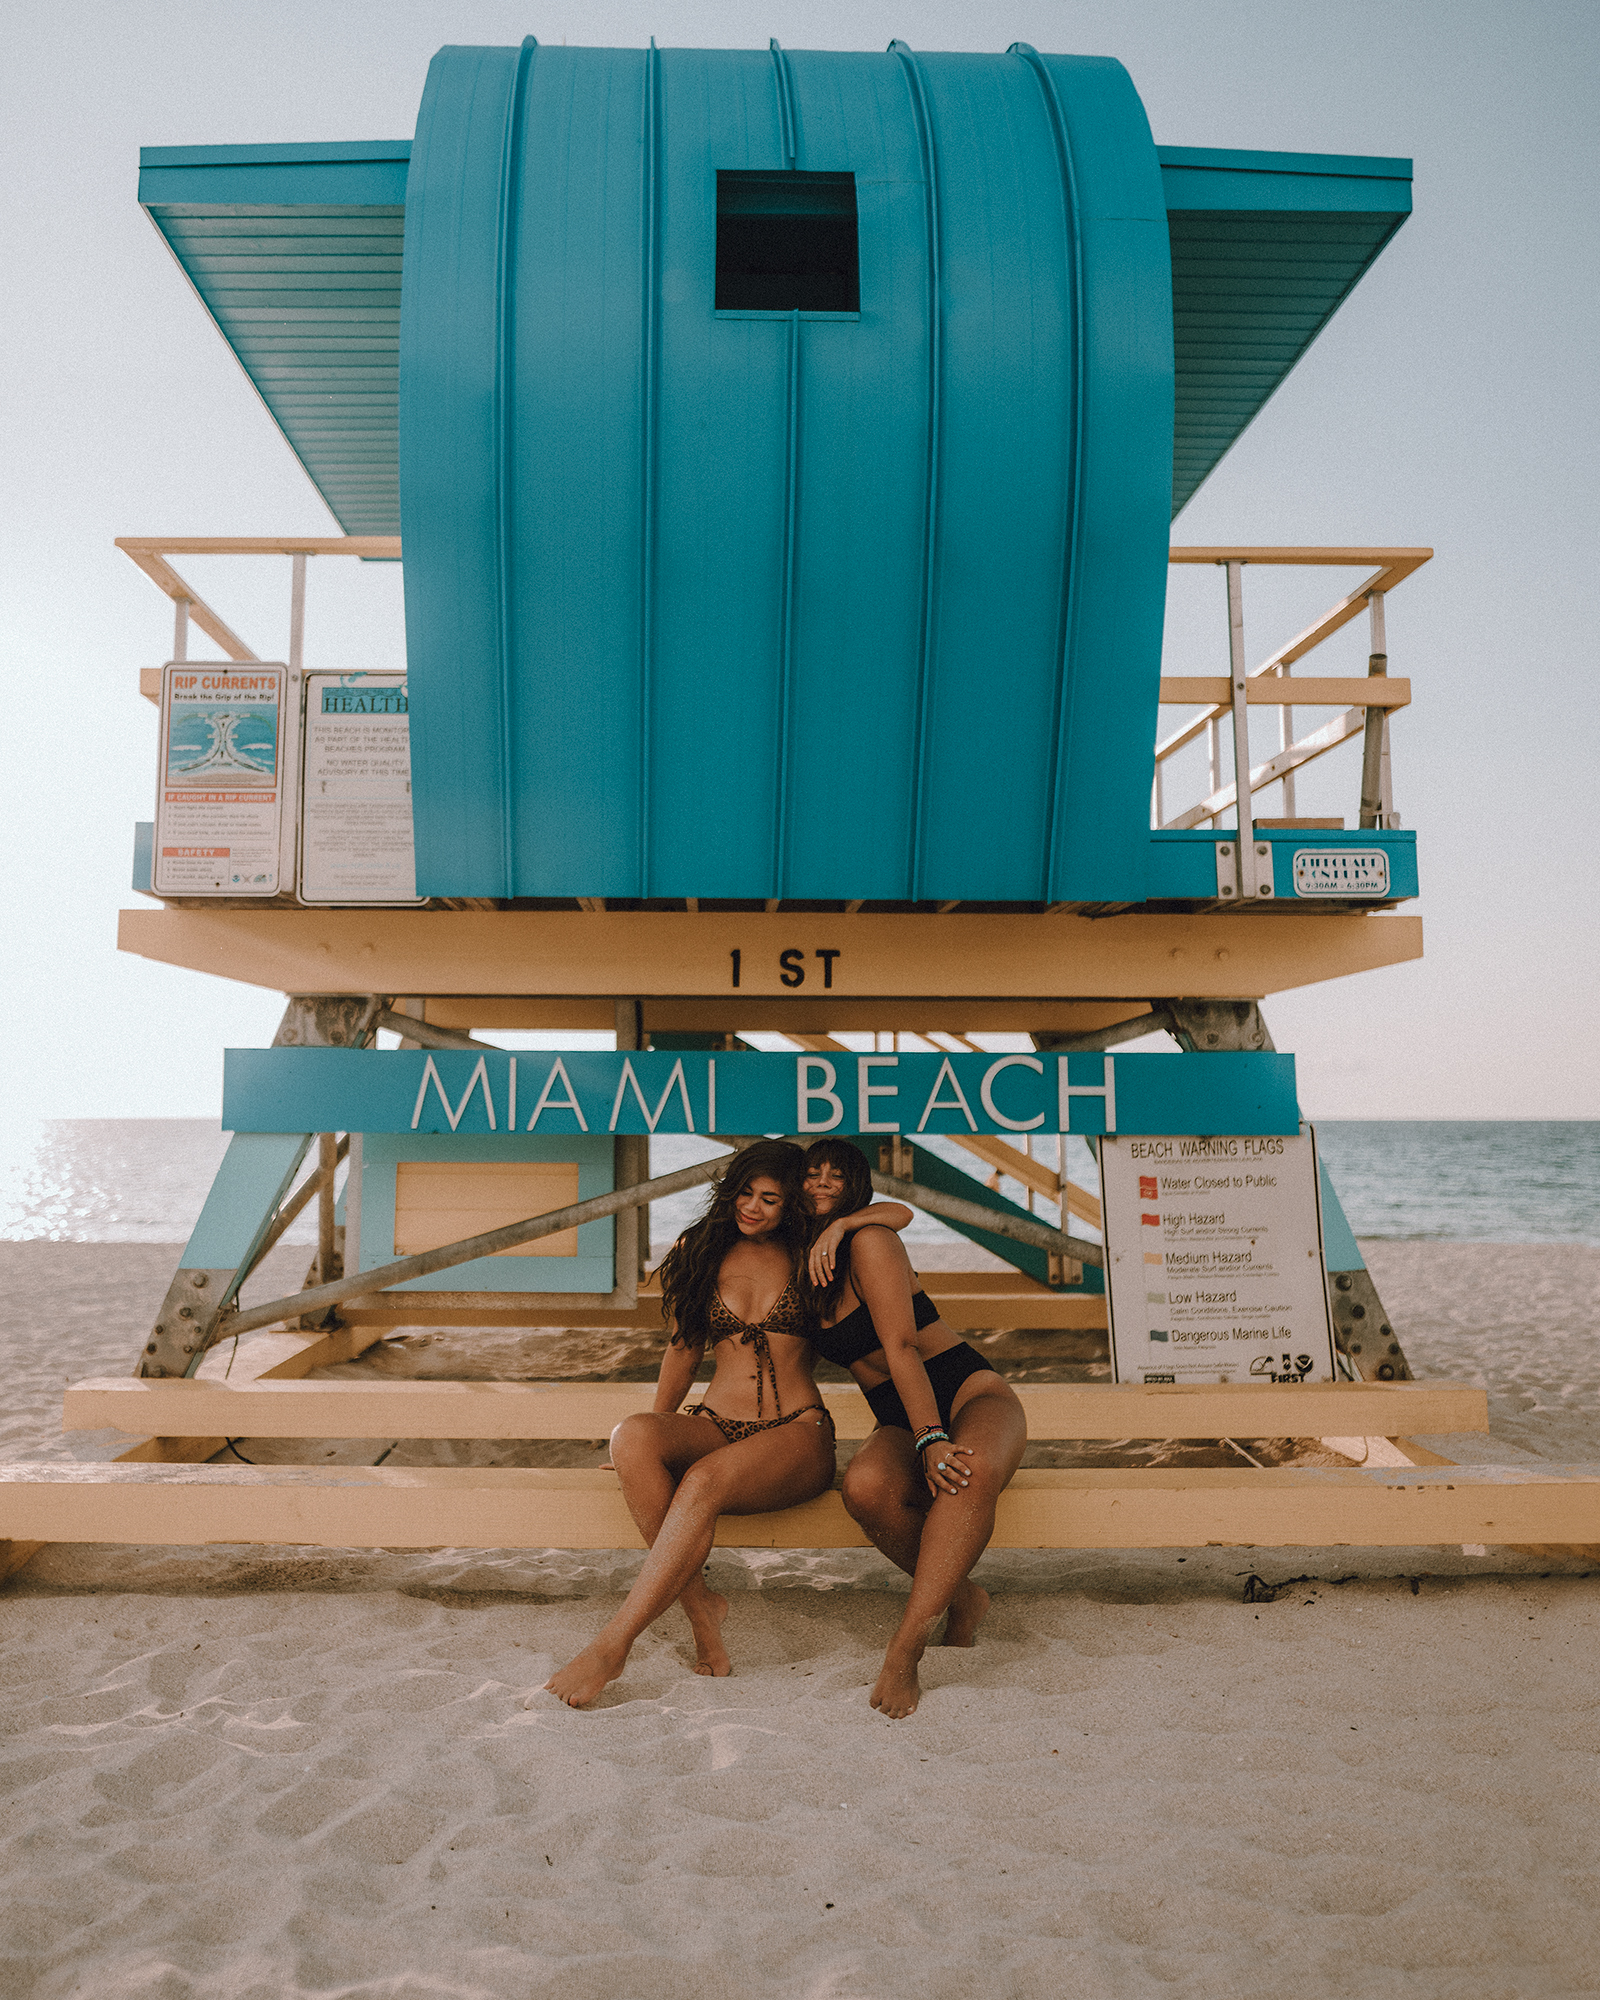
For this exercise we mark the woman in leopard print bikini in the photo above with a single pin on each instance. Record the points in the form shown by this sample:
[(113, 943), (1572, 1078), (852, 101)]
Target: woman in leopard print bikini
[(728, 1283)]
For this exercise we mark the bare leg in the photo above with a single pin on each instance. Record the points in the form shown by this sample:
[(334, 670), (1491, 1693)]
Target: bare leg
[(760, 1475), (885, 1492), (955, 1533), (651, 1454)]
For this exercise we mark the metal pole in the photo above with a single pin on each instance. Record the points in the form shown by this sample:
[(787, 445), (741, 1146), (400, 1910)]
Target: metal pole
[(1244, 812), (1285, 738), (318, 1297), (297, 612), (1214, 757), (1372, 745), (180, 628), (327, 1160)]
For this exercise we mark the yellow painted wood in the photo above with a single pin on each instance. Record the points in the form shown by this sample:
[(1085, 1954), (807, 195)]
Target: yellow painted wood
[(590, 1409), (953, 958), (446, 1201), (974, 1310), (375, 548), (1274, 691), (469, 1507), (789, 1016)]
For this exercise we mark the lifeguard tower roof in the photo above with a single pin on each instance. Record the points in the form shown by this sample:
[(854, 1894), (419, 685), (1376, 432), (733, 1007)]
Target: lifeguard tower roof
[(783, 445)]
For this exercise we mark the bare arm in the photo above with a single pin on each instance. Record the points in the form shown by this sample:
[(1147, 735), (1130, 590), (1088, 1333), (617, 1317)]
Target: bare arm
[(678, 1366), (881, 1273), (825, 1251)]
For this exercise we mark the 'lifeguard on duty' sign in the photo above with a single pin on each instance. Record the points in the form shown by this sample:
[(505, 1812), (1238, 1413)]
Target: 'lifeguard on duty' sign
[(448, 1090)]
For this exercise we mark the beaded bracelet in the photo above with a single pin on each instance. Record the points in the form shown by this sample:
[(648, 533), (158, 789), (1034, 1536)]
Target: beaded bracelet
[(933, 1435)]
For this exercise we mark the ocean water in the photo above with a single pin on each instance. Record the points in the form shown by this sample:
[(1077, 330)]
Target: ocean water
[(143, 1180)]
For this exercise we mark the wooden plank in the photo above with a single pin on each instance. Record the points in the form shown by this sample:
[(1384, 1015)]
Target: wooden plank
[(375, 548), (150, 684), (1286, 557), (262, 1358), (979, 1311), (728, 1015), (166, 579), (961, 957), (1284, 691), (513, 1507), (438, 1202), (1031, 1173), (590, 1409)]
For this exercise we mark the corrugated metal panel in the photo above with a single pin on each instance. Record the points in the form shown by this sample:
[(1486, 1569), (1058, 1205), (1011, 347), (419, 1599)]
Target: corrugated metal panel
[(757, 605), (307, 294)]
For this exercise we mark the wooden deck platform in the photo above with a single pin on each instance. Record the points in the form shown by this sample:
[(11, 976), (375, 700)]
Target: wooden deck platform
[(290, 1409), (469, 1507)]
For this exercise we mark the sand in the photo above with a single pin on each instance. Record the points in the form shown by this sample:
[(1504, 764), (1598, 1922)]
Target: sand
[(264, 1773)]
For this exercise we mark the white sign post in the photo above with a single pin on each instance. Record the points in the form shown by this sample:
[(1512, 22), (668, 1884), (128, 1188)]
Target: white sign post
[(1214, 1265), (219, 801), (356, 842)]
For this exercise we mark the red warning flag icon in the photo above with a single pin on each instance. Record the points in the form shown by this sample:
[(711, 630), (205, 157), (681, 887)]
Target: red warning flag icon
[(1150, 1221), (1147, 1187)]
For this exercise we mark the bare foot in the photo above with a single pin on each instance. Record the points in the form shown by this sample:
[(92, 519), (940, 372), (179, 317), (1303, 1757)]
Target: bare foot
[(897, 1689), (968, 1609), (710, 1655), (582, 1680)]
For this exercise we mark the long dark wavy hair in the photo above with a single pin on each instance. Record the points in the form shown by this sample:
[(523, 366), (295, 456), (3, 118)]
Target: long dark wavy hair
[(689, 1269), (857, 1193)]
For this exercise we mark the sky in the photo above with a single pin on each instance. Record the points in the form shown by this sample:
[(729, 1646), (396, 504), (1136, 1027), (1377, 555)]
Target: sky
[(1451, 403)]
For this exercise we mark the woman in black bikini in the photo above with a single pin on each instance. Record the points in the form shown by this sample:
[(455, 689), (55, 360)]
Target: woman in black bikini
[(950, 1430), (762, 1439)]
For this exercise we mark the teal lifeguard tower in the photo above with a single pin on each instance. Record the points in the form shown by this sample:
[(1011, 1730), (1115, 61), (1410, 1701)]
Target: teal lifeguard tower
[(781, 447)]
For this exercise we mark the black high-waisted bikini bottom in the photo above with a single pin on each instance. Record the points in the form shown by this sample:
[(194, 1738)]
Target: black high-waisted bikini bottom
[(946, 1373)]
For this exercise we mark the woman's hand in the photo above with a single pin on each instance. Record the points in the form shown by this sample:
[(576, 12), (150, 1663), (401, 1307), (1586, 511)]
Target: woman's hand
[(824, 1253), (945, 1468)]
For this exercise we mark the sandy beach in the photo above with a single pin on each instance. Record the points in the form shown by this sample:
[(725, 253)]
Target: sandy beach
[(257, 1772)]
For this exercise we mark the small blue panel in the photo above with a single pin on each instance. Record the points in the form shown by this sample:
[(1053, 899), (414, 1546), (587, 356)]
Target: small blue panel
[(453, 1091), (1340, 1250), (352, 175), (144, 853), (1183, 864), (591, 1270), (254, 1176)]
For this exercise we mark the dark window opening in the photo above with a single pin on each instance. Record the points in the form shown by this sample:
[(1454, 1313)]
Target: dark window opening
[(787, 242)]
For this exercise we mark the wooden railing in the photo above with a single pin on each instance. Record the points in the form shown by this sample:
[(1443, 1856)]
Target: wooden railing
[(150, 552), (1366, 702)]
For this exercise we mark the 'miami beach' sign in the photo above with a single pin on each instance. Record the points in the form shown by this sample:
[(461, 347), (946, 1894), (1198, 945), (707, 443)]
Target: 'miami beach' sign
[(415, 1090)]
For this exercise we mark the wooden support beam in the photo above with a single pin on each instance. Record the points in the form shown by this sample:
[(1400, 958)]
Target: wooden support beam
[(516, 1507), (964, 960), (733, 1012), (374, 548), (966, 1304), (387, 1409), (271, 1357), (1281, 691)]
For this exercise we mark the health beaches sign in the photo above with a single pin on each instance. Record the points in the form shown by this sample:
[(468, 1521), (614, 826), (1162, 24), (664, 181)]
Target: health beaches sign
[(449, 1090)]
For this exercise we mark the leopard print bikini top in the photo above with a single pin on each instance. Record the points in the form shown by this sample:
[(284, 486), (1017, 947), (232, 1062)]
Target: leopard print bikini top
[(787, 1316)]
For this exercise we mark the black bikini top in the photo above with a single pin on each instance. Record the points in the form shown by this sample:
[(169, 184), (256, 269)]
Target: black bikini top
[(854, 1337)]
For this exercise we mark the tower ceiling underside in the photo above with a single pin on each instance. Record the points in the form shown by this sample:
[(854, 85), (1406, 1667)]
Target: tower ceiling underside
[(295, 251)]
